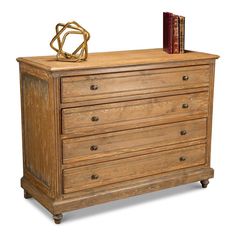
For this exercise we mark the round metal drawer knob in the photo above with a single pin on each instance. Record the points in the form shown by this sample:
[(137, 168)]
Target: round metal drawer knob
[(185, 105), (94, 176), (182, 159), (185, 77), (93, 87), (94, 148), (183, 132), (95, 118)]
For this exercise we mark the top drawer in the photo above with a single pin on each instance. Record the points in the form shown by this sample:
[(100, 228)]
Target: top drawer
[(100, 86)]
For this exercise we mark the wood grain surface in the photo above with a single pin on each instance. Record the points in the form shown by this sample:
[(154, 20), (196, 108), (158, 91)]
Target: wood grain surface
[(132, 140), (91, 176), (120, 116), (38, 132), (116, 59), (117, 125), (100, 86)]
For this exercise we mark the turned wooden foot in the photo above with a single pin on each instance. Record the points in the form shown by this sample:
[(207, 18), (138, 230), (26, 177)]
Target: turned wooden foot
[(27, 195), (57, 218), (204, 183)]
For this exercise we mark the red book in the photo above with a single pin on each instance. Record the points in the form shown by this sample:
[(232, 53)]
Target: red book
[(164, 31), (175, 39), (167, 32)]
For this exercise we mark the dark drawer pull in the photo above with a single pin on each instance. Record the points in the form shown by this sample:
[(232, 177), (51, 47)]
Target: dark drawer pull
[(183, 132), (185, 105), (93, 87), (95, 118), (94, 176), (185, 77), (182, 159), (94, 148)]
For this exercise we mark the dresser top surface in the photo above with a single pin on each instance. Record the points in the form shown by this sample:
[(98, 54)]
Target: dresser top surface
[(115, 59)]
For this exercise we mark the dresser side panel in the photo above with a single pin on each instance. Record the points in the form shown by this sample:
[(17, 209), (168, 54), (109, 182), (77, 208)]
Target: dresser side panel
[(38, 130), (210, 112)]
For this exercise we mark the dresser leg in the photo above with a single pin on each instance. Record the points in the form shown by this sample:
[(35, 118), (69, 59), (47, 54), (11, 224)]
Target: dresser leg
[(204, 183), (27, 195), (57, 218)]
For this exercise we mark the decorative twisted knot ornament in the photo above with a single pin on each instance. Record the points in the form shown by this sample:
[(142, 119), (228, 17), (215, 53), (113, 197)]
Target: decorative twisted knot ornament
[(81, 52)]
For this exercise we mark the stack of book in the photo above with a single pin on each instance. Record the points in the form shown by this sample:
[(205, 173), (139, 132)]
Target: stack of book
[(173, 33)]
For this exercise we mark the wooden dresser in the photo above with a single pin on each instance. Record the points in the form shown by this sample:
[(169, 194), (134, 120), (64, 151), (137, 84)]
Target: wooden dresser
[(120, 124)]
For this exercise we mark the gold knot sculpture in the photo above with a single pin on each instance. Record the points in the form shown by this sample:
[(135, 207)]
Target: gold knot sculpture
[(62, 31)]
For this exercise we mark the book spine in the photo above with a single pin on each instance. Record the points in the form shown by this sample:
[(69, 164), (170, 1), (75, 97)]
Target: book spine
[(176, 39), (169, 32), (164, 31), (182, 33)]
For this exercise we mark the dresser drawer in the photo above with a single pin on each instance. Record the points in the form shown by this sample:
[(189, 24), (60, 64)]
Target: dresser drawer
[(132, 140), (100, 86), (91, 176), (118, 116)]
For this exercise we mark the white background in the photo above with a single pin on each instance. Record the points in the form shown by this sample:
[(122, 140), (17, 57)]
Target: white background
[(26, 30)]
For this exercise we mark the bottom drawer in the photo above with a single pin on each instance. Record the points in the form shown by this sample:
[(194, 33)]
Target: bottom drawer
[(85, 177)]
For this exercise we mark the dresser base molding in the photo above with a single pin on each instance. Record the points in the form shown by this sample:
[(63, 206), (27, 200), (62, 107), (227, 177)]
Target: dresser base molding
[(120, 191)]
